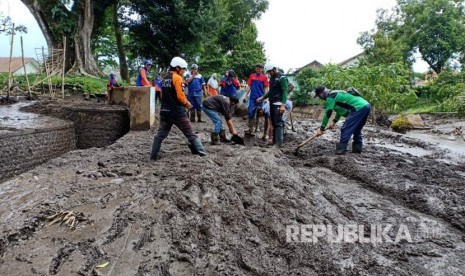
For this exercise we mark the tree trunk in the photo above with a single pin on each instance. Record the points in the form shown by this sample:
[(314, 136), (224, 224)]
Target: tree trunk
[(84, 63), (123, 65), (36, 11)]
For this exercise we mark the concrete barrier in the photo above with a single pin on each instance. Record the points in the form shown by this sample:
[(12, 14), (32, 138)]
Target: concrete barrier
[(141, 103)]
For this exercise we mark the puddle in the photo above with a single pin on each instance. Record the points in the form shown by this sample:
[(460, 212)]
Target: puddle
[(456, 146), (415, 151), (11, 118)]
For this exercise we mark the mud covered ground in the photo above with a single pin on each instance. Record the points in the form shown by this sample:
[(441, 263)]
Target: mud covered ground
[(233, 211)]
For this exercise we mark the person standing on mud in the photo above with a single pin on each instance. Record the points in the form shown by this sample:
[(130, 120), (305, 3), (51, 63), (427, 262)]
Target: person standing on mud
[(278, 97), (196, 88), (213, 85), (356, 110), (214, 106), (173, 110), (257, 83), (229, 84), (111, 83), (141, 79)]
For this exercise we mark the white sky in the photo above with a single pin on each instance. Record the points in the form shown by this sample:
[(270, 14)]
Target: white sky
[(295, 32)]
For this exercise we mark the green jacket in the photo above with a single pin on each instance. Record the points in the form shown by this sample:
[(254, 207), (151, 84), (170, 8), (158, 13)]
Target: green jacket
[(278, 89), (343, 104)]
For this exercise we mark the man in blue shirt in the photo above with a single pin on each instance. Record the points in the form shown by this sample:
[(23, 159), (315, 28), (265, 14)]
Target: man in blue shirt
[(196, 88)]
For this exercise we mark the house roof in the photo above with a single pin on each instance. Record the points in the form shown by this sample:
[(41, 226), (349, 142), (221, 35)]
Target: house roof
[(16, 63), (344, 62), (314, 65)]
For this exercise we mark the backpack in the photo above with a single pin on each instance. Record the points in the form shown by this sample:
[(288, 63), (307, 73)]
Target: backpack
[(352, 91), (290, 86)]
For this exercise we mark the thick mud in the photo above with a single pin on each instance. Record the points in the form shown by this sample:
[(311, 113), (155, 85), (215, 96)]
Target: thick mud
[(238, 210)]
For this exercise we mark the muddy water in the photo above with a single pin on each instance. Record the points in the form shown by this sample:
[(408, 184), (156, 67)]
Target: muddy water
[(230, 212), (12, 118)]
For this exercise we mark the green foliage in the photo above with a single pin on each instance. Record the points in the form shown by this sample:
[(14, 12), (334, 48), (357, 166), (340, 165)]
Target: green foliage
[(381, 45), (216, 34), (6, 26), (104, 42), (434, 27), (306, 80), (247, 53), (85, 84), (401, 125), (386, 87)]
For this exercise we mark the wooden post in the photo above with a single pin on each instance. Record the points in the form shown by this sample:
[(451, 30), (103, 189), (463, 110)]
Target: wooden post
[(9, 64), (25, 71), (64, 64)]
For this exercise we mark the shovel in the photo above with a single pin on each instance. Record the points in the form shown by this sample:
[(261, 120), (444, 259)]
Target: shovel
[(296, 150), (292, 121), (249, 139)]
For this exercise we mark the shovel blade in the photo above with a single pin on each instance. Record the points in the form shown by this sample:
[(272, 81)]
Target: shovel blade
[(249, 139)]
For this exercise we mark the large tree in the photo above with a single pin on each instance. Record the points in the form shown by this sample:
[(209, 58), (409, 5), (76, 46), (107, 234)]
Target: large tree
[(381, 44), (435, 27), (56, 20), (210, 32)]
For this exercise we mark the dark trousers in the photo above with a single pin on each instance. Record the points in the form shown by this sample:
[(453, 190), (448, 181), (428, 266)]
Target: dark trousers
[(166, 123), (277, 122), (354, 124)]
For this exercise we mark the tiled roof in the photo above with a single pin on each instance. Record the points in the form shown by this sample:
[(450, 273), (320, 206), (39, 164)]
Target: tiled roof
[(16, 63)]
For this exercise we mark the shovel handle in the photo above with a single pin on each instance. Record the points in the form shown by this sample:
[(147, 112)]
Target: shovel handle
[(307, 141)]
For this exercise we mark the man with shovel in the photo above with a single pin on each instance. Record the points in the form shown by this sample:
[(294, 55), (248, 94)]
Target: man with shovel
[(214, 106), (356, 110)]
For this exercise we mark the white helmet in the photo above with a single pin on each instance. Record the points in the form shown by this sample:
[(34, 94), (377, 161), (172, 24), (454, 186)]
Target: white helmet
[(177, 61), (269, 67)]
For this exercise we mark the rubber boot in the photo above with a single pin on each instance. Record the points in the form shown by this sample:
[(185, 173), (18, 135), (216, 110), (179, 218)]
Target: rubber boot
[(341, 148), (192, 115), (197, 145), (199, 116), (278, 136), (250, 124), (214, 138), (357, 147), (223, 138), (155, 149)]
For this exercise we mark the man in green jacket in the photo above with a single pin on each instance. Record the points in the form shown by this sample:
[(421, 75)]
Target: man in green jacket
[(354, 108), (277, 94)]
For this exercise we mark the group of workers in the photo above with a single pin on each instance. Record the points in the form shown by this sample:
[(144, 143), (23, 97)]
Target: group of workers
[(267, 83)]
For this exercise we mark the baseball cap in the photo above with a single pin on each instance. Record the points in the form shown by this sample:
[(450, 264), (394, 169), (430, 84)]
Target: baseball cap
[(319, 90)]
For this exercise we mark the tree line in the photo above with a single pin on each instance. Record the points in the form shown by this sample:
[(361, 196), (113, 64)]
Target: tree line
[(213, 33)]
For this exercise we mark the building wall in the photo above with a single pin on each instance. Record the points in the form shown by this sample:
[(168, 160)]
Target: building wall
[(31, 68)]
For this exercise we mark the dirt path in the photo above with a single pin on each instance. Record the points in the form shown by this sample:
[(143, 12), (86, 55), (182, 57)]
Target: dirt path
[(229, 213)]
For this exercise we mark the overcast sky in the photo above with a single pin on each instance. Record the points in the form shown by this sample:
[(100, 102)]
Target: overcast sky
[(295, 32)]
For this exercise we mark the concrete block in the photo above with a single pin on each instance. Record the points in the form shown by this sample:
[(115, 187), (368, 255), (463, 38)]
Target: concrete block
[(142, 107), (120, 96)]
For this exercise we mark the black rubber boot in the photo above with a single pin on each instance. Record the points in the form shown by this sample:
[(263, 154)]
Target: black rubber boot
[(214, 138), (223, 138), (357, 147), (192, 115), (199, 116), (341, 148), (155, 149), (197, 145)]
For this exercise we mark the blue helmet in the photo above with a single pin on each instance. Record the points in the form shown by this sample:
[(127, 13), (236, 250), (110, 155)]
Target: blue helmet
[(147, 62)]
